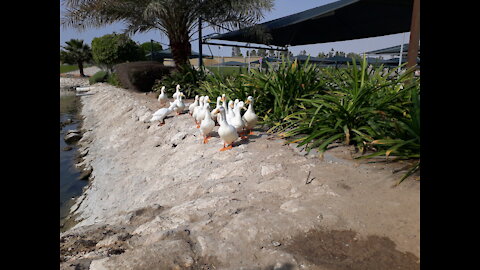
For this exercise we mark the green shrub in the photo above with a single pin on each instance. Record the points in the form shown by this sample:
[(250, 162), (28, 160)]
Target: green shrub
[(113, 79), (275, 90), (187, 77), (357, 107), (278, 89), (140, 76), (113, 49), (232, 86), (100, 76)]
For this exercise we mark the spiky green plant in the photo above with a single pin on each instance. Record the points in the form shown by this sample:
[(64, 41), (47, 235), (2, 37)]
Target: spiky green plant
[(186, 76), (404, 140), (278, 89), (352, 109)]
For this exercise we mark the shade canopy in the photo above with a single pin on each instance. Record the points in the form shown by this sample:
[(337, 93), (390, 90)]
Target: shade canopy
[(266, 59), (168, 54), (393, 50), (394, 61), (337, 21)]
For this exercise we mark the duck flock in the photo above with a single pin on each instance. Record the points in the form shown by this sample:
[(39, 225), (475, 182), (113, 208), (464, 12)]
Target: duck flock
[(232, 124)]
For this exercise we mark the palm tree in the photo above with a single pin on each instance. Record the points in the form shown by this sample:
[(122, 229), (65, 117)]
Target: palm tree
[(76, 53), (177, 19)]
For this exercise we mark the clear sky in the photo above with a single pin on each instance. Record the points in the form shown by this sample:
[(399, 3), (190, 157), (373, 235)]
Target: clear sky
[(281, 8)]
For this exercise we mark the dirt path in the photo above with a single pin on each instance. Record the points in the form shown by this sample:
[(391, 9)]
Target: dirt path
[(160, 199)]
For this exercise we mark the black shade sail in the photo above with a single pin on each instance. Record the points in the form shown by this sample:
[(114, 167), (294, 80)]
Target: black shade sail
[(392, 50), (168, 54), (337, 21), (232, 64), (267, 59)]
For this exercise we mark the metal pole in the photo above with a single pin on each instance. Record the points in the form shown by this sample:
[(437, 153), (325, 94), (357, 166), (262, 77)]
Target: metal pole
[(401, 53), (151, 49), (200, 55), (414, 35)]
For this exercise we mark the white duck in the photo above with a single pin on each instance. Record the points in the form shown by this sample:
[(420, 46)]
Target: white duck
[(180, 104), (197, 108), (224, 102), (201, 112), (219, 99), (250, 118), (237, 120), (160, 114), (229, 112), (207, 124), (227, 132), (175, 95), (162, 97), (193, 105)]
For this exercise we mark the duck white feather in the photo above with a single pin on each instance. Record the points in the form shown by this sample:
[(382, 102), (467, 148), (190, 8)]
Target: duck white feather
[(201, 112), (227, 132), (237, 120), (219, 99), (250, 117), (162, 97), (180, 104), (196, 109), (207, 124), (229, 112), (193, 105), (177, 92), (160, 114)]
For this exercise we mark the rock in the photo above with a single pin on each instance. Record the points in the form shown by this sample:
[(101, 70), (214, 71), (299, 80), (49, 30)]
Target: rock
[(268, 169), (85, 174), (73, 131), (67, 148), (177, 138), (72, 137), (276, 244)]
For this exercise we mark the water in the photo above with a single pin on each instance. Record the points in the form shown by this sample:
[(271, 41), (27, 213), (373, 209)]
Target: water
[(70, 186)]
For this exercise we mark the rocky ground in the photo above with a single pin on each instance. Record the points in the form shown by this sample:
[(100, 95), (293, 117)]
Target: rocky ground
[(158, 198)]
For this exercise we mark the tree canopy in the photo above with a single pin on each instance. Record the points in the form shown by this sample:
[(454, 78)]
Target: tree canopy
[(76, 53), (112, 49), (177, 19)]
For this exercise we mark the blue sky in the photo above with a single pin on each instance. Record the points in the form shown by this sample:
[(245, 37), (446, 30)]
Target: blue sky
[(281, 8)]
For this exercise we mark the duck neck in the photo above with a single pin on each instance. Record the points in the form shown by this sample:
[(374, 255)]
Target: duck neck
[(223, 121), (250, 107)]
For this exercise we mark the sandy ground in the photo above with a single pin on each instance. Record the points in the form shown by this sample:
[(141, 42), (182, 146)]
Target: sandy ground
[(159, 198)]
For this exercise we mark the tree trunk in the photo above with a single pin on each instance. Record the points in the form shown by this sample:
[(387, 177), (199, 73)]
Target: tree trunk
[(80, 67), (181, 51)]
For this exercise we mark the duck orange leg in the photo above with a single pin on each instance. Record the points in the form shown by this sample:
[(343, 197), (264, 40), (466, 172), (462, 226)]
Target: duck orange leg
[(226, 148), (242, 135), (205, 139), (161, 123)]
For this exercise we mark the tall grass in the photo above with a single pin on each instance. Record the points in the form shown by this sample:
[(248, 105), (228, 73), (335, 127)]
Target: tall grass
[(275, 90), (369, 109)]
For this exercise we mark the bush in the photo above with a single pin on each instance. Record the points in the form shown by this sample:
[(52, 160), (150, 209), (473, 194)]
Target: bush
[(187, 77), (357, 107), (140, 76), (275, 91), (113, 79), (113, 49), (100, 76)]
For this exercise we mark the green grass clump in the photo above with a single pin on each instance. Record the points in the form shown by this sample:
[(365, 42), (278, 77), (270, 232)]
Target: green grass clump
[(100, 76), (68, 68)]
